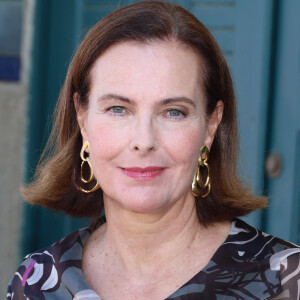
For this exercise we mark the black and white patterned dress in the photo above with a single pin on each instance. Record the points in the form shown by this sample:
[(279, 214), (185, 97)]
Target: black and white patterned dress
[(248, 265)]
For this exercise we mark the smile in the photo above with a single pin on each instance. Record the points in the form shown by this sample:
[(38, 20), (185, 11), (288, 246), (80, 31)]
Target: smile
[(143, 173)]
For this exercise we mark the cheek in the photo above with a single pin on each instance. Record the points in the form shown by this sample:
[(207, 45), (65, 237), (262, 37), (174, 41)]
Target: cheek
[(184, 145), (105, 141)]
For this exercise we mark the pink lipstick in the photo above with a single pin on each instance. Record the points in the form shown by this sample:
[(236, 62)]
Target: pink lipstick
[(143, 173)]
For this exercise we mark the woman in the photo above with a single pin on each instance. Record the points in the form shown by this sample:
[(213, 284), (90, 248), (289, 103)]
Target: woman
[(146, 129)]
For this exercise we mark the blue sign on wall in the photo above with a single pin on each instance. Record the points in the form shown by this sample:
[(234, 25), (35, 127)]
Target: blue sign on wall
[(10, 39)]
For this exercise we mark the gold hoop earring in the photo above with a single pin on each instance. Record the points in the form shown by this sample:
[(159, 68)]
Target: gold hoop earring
[(84, 159), (197, 180)]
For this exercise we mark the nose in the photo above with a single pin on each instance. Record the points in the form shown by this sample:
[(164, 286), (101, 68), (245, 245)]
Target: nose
[(144, 137)]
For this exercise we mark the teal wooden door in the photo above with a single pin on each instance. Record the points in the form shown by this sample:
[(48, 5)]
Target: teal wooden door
[(243, 29), (283, 216)]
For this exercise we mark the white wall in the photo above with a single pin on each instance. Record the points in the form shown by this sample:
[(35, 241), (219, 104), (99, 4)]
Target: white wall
[(12, 123), (13, 102)]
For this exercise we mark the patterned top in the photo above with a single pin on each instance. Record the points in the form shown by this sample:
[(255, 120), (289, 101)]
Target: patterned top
[(248, 265)]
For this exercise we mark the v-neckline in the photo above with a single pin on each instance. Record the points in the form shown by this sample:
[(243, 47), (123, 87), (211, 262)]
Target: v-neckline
[(102, 220), (242, 245)]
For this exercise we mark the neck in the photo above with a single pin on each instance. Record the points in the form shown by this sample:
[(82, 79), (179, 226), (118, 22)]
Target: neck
[(140, 239)]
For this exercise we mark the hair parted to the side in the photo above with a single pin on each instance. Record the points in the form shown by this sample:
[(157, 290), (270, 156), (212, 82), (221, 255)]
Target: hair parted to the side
[(57, 175)]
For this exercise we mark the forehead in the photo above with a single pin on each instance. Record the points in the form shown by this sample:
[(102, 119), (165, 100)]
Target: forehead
[(162, 67)]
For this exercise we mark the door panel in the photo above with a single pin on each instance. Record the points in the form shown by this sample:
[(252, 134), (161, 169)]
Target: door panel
[(54, 40), (282, 217)]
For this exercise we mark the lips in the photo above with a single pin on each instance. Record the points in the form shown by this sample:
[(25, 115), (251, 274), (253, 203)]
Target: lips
[(143, 173)]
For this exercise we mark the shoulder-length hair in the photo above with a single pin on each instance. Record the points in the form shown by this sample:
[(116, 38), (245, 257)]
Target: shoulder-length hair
[(57, 177)]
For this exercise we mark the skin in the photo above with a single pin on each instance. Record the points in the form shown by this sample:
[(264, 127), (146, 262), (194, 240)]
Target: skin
[(147, 108)]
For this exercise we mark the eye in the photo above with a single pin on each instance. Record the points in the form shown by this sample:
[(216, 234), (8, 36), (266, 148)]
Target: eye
[(117, 110), (175, 114)]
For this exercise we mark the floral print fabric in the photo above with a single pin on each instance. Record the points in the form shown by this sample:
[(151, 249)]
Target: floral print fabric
[(248, 265)]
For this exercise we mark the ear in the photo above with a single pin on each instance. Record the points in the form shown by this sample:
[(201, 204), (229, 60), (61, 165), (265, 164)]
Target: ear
[(213, 123), (81, 116)]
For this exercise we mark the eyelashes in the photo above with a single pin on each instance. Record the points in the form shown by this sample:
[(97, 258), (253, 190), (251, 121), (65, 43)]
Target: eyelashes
[(175, 113), (117, 110)]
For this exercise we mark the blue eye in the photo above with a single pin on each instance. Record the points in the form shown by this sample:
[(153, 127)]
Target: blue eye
[(117, 110), (175, 113)]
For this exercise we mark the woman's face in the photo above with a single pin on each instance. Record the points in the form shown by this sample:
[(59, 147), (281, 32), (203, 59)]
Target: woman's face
[(146, 123)]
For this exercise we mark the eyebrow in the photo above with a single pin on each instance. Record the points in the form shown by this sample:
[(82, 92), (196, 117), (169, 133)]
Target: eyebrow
[(115, 97), (178, 100), (163, 102)]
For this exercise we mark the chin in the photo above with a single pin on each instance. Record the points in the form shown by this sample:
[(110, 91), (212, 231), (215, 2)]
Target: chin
[(142, 202)]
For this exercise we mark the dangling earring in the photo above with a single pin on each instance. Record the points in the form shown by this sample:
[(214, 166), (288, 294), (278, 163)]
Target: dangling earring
[(85, 146), (197, 181)]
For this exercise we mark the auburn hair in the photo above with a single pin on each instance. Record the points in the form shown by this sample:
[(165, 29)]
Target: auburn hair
[(56, 181)]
